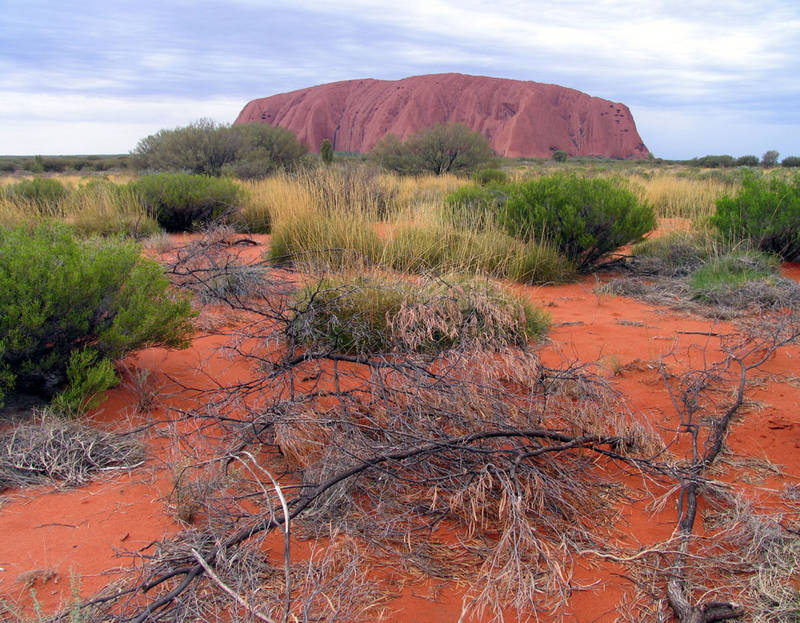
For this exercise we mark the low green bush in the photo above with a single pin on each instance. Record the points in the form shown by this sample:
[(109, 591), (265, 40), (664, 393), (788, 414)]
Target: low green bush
[(583, 218), (60, 295), (489, 176), (369, 315), (791, 161), (42, 192), (747, 161), (183, 202), (766, 212)]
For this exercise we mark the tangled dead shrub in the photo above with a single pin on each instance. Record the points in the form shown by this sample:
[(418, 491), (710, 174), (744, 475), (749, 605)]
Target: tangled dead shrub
[(51, 448)]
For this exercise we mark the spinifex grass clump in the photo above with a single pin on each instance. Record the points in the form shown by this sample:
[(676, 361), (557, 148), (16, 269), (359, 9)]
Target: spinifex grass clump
[(40, 193), (104, 208), (68, 307), (183, 202), (583, 218), (477, 207), (674, 196), (328, 241), (489, 252), (766, 212), (674, 254), (369, 315), (741, 278)]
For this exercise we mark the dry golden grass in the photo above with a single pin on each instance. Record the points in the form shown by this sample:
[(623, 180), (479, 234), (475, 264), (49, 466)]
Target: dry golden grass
[(673, 195)]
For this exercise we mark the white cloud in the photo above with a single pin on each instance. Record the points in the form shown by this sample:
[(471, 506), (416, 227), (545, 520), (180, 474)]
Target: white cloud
[(69, 124)]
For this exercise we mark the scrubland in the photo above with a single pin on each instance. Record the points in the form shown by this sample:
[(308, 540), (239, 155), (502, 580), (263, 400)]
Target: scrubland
[(565, 394)]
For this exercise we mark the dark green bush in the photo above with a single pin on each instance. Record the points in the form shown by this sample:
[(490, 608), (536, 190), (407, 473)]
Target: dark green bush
[(791, 161), (442, 148), (248, 150), (326, 151), (182, 202), (559, 155), (714, 162), (747, 161), (582, 218), (490, 176), (766, 212), (60, 295), (43, 192)]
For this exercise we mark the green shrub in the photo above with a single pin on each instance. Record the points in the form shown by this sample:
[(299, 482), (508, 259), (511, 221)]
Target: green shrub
[(182, 202), (766, 212), (247, 150), (326, 151), (87, 380), (747, 161), (714, 162), (583, 218), (367, 315), (791, 161), (490, 176), (442, 148), (42, 192), (770, 158), (59, 294), (559, 155)]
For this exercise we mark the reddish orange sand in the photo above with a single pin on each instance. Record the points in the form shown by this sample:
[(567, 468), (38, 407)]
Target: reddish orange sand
[(48, 534)]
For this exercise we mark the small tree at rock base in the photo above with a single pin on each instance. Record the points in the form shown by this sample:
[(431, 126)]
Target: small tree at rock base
[(452, 148), (559, 155), (770, 158), (326, 151)]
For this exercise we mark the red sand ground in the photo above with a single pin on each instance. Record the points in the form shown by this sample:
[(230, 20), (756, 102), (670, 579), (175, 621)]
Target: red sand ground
[(49, 534)]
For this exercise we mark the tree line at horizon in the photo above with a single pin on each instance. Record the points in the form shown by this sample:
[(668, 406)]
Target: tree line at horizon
[(255, 150)]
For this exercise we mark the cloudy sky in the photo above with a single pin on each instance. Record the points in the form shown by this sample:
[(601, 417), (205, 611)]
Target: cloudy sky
[(95, 76)]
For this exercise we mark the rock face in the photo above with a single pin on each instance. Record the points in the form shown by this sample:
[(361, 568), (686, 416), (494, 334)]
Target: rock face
[(519, 118)]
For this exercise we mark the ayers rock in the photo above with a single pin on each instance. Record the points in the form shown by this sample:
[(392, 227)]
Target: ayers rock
[(519, 118)]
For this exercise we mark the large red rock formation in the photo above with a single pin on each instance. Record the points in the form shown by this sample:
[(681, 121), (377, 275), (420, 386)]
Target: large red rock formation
[(519, 118)]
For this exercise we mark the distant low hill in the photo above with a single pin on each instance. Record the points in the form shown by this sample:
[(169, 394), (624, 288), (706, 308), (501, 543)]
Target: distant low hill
[(520, 119)]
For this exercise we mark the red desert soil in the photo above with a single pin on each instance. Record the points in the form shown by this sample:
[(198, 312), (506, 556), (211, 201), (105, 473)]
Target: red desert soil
[(520, 118), (49, 533)]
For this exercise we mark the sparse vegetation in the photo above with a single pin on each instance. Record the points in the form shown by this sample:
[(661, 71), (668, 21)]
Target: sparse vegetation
[(412, 421)]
